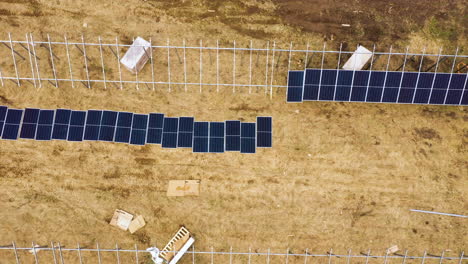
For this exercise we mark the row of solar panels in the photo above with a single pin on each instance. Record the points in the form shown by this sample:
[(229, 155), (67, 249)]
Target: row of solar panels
[(377, 87), (136, 129)]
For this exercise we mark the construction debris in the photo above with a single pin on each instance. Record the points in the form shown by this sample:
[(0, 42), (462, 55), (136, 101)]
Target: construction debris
[(177, 246), (358, 60), (183, 188), (392, 249), (154, 251), (137, 55), (136, 224), (121, 219)]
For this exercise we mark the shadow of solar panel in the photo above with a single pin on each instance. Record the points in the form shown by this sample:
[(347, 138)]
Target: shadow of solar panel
[(75, 133), (154, 136), (295, 86), (185, 139), (138, 137), (169, 140), (28, 131), (200, 144), (156, 120), (106, 133), (91, 132), (60, 131), (122, 135)]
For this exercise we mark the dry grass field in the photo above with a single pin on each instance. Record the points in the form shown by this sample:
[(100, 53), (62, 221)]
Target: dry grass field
[(339, 175)]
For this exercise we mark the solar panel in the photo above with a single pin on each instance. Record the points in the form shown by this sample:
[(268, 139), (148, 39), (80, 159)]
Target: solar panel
[(200, 137), (264, 132), (12, 124), (93, 123), (123, 130), (378, 86), (247, 138), (29, 126), (77, 123), (139, 126), (295, 86), (216, 138), (107, 128), (61, 123), (232, 135), (44, 128), (169, 137), (185, 135), (155, 127), (3, 110)]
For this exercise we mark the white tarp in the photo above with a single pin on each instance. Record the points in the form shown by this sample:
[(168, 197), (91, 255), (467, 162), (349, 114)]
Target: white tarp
[(137, 55), (359, 58)]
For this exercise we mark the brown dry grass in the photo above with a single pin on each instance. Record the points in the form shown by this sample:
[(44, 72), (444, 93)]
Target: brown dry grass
[(339, 175)]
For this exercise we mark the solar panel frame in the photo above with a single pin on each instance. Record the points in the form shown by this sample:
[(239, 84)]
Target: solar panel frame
[(185, 132), (264, 132), (12, 124), (248, 138), (61, 124), (169, 135), (232, 136), (155, 127), (200, 137), (45, 125)]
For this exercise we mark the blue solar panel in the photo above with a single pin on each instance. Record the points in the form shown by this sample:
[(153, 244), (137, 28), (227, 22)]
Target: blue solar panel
[(359, 88), (264, 132), (185, 136), (62, 116), (232, 135), (12, 124), (138, 137), (248, 138), (216, 142), (124, 119), (169, 140), (91, 132), (1, 127), (122, 135), (31, 115), (200, 137), (3, 111), (78, 118), (140, 121), (60, 132), (46, 117), (75, 133), (295, 86), (154, 136), (94, 117), (44, 128), (170, 124), (109, 118), (106, 133), (156, 120)]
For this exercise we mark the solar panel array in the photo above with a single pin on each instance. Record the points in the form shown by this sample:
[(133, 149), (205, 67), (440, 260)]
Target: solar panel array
[(135, 129), (377, 87)]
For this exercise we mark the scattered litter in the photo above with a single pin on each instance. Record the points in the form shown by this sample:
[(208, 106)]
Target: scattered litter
[(154, 251), (85, 25), (177, 246), (357, 61), (297, 111), (211, 10), (345, 25), (137, 55), (392, 249), (121, 219), (309, 155), (36, 249), (183, 188), (136, 224)]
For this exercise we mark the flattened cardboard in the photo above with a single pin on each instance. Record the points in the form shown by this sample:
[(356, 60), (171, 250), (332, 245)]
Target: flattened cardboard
[(121, 219), (136, 224), (179, 188)]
